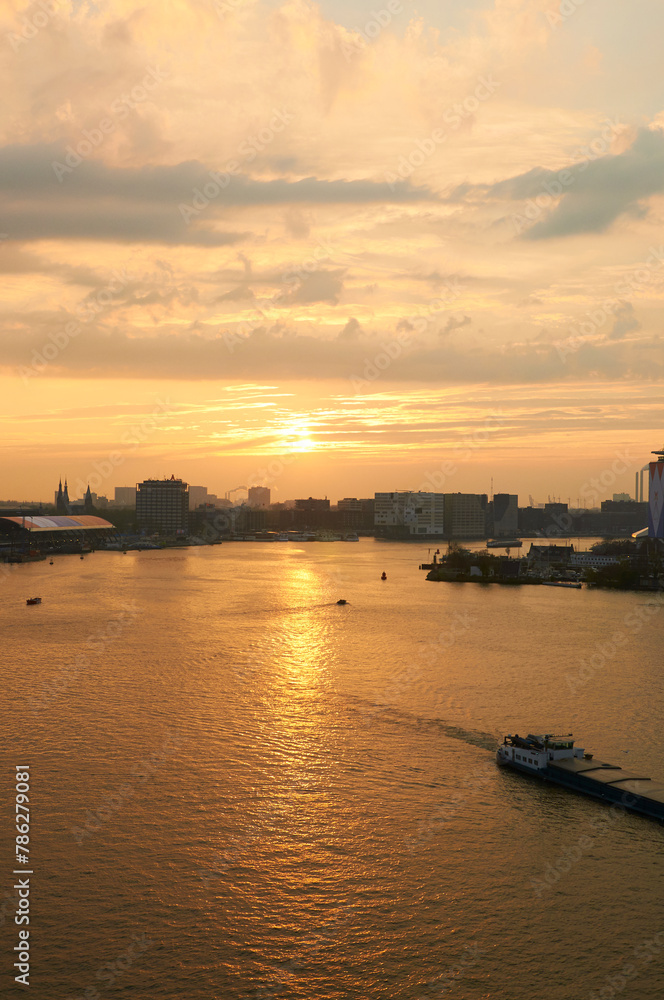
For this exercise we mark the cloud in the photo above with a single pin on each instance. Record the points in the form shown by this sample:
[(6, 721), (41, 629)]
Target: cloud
[(352, 330), (455, 324), (625, 322), (321, 286), (280, 352), (586, 196), (165, 204)]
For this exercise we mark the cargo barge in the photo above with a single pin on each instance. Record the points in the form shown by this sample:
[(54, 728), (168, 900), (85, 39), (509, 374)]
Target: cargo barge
[(556, 759)]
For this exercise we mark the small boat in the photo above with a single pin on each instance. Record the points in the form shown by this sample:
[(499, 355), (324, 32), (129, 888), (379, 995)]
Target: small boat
[(383, 575), (51, 563), (562, 583), (504, 543), (33, 600), (341, 601)]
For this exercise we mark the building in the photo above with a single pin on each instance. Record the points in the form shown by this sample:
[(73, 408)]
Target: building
[(198, 497), (550, 555), (403, 514), (312, 505), (53, 533), (356, 514), (163, 505), (623, 517), (592, 560), (466, 515), (655, 498), (62, 502), (125, 496), (505, 510), (258, 496)]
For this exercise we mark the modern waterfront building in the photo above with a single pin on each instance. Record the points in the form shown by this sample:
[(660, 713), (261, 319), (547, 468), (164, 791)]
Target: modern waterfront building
[(163, 505), (465, 515), (404, 514), (655, 496)]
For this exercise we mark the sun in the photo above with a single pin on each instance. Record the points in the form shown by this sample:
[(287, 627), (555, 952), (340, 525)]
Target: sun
[(304, 444)]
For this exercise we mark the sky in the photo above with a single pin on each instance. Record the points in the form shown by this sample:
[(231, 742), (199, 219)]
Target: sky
[(331, 248)]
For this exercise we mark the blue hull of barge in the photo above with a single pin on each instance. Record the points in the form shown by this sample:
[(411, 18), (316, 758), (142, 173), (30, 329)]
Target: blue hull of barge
[(616, 787)]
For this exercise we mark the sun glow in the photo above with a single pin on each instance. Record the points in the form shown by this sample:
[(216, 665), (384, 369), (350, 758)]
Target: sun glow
[(303, 445)]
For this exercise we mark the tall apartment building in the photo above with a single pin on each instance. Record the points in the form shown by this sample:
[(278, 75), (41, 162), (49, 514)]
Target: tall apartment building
[(505, 515), (409, 514), (258, 496), (163, 505), (465, 515)]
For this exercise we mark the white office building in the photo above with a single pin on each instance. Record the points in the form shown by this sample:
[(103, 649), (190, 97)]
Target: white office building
[(404, 513)]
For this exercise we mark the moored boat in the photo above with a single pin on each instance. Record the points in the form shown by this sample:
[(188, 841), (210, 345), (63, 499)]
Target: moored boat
[(504, 543), (556, 759)]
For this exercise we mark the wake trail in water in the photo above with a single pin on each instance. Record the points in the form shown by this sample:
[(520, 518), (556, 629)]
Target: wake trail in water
[(397, 716)]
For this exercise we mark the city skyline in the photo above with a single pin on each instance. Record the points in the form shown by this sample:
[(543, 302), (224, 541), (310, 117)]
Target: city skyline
[(435, 233)]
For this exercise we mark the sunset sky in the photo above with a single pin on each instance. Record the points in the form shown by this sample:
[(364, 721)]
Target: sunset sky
[(334, 247)]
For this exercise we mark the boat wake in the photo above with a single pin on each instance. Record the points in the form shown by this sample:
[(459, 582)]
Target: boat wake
[(397, 716)]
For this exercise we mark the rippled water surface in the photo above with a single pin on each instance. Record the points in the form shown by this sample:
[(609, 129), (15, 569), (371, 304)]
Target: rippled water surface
[(241, 789)]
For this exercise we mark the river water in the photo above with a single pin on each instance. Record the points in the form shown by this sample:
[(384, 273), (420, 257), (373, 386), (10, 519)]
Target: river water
[(240, 789)]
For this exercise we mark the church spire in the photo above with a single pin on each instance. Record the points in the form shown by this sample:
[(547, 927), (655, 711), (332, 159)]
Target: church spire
[(59, 502), (87, 503)]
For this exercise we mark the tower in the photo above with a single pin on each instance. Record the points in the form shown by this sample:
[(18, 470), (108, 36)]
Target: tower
[(656, 496), (60, 507), (87, 503)]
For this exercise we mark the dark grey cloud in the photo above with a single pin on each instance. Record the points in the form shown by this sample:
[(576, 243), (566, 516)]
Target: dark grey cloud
[(50, 192), (583, 197)]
